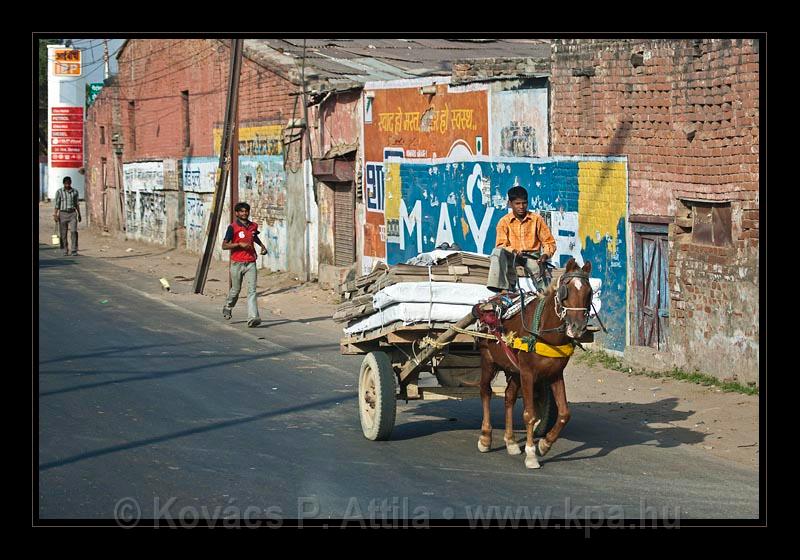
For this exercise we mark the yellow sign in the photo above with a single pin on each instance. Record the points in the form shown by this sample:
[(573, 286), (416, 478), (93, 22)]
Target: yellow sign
[(67, 62), (255, 140)]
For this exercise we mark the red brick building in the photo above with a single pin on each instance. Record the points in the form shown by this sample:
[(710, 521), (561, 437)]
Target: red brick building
[(686, 114)]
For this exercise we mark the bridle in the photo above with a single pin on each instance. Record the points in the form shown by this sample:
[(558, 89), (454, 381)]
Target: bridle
[(563, 292)]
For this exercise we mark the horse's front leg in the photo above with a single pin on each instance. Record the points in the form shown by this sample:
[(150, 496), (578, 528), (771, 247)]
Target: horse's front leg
[(512, 388), (529, 414), (487, 374), (560, 395)]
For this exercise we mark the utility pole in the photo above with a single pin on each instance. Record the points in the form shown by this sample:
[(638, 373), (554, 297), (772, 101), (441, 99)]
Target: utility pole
[(225, 157), (307, 141), (234, 177), (105, 59)]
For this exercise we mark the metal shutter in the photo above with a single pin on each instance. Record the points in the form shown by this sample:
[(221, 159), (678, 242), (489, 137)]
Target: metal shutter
[(344, 224)]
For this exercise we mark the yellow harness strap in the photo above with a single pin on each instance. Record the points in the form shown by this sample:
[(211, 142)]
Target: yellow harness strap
[(546, 350)]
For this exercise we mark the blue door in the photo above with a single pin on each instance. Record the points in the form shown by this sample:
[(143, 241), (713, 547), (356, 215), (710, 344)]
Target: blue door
[(652, 292)]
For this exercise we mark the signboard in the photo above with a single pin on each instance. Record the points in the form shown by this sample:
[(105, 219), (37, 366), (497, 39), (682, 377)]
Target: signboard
[(92, 92), (66, 136), (66, 62)]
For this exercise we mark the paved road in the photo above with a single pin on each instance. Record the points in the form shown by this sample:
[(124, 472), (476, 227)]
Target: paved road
[(151, 405)]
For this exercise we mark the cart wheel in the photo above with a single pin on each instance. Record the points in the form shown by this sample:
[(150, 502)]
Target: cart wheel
[(546, 409), (377, 400)]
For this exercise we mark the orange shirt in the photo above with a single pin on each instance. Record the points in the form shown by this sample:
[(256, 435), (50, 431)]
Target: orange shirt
[(530, 234)]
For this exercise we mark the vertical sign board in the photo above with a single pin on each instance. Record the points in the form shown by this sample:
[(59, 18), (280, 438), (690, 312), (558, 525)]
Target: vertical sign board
[(94, 91), (66, 95)]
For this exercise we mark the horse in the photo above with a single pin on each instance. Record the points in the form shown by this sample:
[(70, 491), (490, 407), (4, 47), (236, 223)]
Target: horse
[(564, 318)]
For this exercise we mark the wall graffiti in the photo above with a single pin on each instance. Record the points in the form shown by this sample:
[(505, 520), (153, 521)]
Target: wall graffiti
[(584, 201), (258, 140), (519, 123), (262, 184), (518, 140), (263, 178), (200, 174), (196, 212), (407, 123), (145, 201), (144, 176)]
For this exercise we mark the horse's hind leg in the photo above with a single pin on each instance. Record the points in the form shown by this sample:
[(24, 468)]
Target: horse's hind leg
[(488, 371), (512, 388), (560, 395)]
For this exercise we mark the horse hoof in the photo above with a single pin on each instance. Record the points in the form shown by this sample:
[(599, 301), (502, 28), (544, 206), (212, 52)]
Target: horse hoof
[(483, 448), (532, 463), (530, 458), (513, 448), (542, 447)]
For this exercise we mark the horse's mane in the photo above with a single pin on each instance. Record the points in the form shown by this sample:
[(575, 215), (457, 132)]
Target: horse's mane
[(549, 290)]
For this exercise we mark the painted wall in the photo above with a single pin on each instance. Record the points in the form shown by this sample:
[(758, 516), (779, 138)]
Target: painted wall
[(145, 201), (400, 120), (461, 201), (262, 184), (519, 123)]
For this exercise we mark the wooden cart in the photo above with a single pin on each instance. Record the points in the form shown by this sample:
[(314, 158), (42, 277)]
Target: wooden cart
[(396, 354)]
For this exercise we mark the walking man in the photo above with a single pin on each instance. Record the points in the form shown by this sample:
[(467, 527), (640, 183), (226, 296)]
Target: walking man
[(239, 240), (67, 214)]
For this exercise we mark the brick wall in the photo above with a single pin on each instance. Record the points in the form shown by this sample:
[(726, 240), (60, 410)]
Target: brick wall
[(494, 68), (101, 181), (161, 82), (152, 75), (686, 113)]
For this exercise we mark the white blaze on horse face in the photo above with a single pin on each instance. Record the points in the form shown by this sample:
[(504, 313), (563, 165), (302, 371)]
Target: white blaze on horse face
[(578, 283)]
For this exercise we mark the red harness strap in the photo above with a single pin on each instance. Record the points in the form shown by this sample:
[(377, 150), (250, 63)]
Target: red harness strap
[(491, 318)]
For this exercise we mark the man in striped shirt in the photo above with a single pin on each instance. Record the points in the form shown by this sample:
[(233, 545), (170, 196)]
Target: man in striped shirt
[(519, 231), (67, 214)]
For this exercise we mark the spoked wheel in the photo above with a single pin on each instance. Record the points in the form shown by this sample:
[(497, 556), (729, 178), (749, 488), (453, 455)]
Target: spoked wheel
[(377, 401)]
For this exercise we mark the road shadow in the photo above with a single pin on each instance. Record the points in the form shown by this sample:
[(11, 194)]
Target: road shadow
[(267, 323), (312, 405), (57, 262), (135, 254), (593, 426), (278, 291), (221, 361)]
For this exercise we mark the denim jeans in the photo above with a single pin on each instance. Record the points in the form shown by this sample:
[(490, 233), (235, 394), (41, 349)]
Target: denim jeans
[(239, 271)]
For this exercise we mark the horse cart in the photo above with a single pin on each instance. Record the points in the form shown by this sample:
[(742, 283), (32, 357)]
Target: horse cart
[(394, 357)]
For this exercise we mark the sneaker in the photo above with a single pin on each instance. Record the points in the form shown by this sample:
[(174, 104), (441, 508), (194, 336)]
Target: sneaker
[(74, 253), (254, 322), (226, 312)]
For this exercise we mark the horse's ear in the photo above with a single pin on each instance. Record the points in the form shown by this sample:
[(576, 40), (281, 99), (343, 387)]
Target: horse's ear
[(587, 268), (571, 265)]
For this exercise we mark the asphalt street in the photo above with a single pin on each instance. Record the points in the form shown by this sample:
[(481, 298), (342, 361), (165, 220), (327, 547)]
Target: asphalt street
[(151, 405)]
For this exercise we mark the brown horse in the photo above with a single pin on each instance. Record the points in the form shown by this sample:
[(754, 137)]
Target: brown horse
[(563, 319)]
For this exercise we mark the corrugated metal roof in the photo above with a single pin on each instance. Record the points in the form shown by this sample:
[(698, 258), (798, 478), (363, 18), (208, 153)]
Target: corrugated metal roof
[(358, 60)]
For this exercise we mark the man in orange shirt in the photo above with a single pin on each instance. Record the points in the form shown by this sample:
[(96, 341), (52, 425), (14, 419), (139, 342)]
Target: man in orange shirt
[(517, 232)]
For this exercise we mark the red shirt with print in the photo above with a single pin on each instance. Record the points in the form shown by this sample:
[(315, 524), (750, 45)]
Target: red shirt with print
[(243, 233)]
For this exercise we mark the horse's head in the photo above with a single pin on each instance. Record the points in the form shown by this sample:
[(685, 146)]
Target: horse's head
[(574, 298)]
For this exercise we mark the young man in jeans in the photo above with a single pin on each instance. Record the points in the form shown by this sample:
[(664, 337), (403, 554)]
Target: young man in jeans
[(239, 240)]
